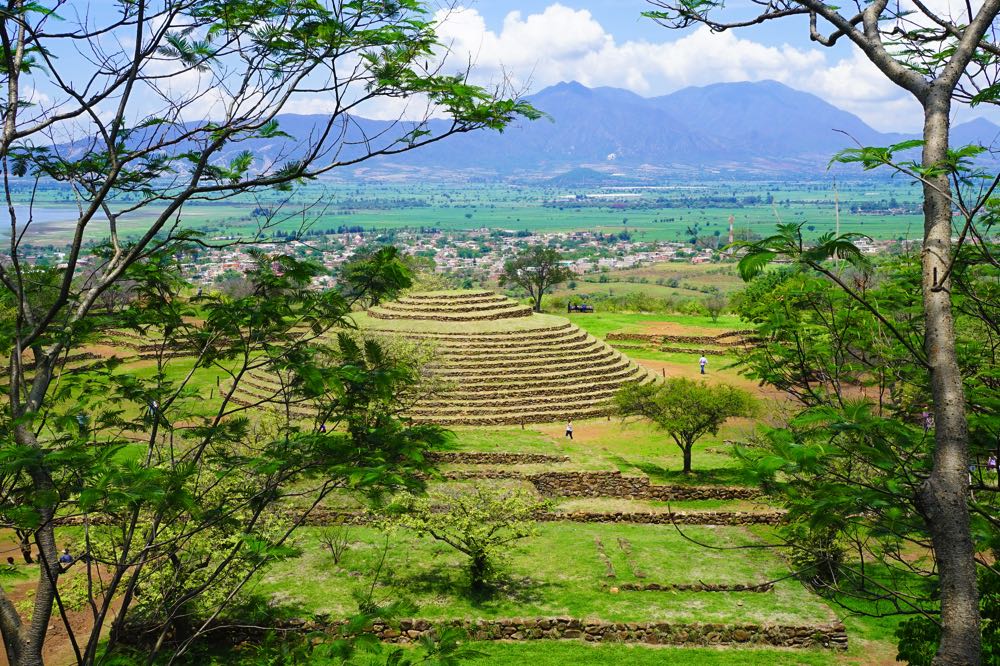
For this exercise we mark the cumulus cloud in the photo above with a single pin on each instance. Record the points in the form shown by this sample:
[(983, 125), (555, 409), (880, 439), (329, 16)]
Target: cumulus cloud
[(561, 43)]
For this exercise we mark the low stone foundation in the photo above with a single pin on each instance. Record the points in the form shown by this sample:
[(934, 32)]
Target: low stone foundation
[(321, 517), (672, 518), (490, 458), (431, 315), (614, 484), (737, 338), (693, 587), (831, 636)]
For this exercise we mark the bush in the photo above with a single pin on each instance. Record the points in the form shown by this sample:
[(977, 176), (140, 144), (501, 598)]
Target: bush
[(817, 555), (479, 523)]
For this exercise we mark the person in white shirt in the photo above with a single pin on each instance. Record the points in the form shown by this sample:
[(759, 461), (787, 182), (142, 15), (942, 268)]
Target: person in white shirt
[(569, 429), (702, 362)]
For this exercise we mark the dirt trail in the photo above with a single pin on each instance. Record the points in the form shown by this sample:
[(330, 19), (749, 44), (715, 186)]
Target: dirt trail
[(673, 328)]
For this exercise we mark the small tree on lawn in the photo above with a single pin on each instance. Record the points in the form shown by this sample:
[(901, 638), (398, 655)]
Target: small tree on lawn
[(536, 270), (687, 410), (479, 522), (716, 303)]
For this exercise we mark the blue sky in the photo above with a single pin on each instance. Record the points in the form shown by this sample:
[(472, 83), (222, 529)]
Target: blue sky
[(607, 42), (537, 43)]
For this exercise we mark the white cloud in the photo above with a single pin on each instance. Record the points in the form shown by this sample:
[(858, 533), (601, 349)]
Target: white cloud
[(856, 85), (561, 44)]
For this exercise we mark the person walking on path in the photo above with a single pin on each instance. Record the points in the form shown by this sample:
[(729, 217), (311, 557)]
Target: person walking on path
[(702, 362), (569, 429)]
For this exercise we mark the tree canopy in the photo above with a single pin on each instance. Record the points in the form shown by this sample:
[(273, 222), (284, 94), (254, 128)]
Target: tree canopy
[(685, 409), (479, 522), (536, 270), (138, 110), (940, 57)]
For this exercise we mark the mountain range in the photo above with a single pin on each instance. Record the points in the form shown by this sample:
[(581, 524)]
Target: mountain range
[(760, 128), (764, 128)]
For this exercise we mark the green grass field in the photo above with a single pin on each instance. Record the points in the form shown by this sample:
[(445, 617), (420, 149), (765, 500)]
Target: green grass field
[(556, 573), (658, 214)]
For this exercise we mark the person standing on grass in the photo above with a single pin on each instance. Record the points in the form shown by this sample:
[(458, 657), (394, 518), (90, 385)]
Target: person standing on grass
[(569, 429), (65, 560), (702, 362)]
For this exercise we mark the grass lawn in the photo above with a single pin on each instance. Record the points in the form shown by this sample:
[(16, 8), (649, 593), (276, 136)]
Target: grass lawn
[(558, 572), (562, 653), (599, 324), (633, 447)]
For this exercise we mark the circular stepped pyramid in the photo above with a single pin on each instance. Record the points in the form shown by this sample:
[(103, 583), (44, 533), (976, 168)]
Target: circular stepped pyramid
[(502, 364), (443, 306), (498, 362)]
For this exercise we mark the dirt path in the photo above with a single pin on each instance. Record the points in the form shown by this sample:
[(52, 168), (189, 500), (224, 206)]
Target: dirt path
[(673, 328)]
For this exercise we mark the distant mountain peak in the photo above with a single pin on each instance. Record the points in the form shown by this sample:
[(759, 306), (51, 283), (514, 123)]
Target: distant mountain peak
[(567, 86), (979, 123)]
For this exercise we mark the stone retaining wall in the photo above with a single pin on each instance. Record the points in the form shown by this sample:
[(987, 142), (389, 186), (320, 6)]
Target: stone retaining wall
[(694, 587), (498, 353), (461, 393), (473, 335), (833, 636), (473, 475), (468, 404), (320, 517), (614, 362), (455, 295), (714, 340), (589, 360), (490, 458), (449, 308), (614, 484), (624, 372), (830, 636), (591, 484), (511, 313), (524, 418), (515, 415), (548, 341), (671, 518)]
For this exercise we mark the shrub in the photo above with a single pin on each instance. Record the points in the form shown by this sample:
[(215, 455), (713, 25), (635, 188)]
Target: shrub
[(478, 522)]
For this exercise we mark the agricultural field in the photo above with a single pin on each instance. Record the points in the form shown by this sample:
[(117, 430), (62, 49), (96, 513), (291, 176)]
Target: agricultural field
[(878, 208)]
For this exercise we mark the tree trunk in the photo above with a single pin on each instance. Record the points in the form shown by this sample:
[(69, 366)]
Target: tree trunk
[(477, 572), (944, 495), (33, 633), (687, 457), (24, 543)]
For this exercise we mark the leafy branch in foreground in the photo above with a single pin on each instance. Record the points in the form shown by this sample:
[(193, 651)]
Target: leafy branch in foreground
[(938, 58)]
